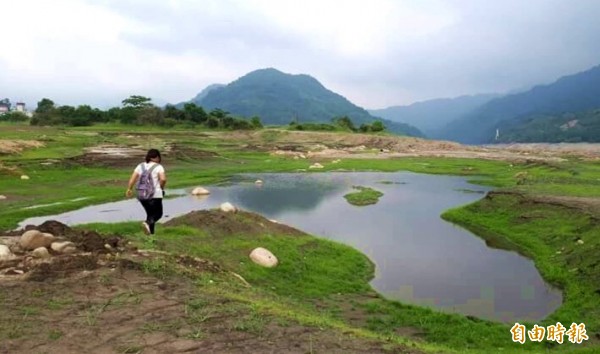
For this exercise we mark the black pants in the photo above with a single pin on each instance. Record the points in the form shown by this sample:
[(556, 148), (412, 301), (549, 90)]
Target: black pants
[(154, 211)]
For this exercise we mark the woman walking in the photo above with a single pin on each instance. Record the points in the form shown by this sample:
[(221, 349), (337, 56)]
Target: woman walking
[(151, 180)]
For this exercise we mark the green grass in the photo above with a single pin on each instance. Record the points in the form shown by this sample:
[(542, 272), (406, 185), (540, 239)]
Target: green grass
[(313, 269), (548, 234), (364, 196)]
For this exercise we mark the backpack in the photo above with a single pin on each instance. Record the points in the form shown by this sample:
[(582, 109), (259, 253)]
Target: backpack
[(145, 186)]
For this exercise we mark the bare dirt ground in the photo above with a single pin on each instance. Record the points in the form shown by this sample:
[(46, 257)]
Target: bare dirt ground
[(95, 301), (126, 156), (588, 205), (16, 146), (335, 145)]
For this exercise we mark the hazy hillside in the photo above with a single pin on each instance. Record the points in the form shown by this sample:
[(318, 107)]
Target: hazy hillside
[(279, 98), (567, 127), (432, 115), (201, 95), (575, 93)]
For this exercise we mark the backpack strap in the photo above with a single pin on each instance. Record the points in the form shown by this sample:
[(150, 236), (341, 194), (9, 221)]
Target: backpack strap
[(152, 168)]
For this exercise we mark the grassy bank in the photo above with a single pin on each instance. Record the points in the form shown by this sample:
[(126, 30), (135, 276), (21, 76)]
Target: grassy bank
[(563, 242)]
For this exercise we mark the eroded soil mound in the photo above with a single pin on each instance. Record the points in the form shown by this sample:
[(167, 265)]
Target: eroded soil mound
[(221, 224), (88, 241)]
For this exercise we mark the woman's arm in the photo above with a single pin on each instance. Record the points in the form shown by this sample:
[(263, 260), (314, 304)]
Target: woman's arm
[(132, 180), (162, 179)]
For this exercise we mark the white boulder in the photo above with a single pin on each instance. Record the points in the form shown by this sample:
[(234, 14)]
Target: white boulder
[(258, 182), (65, 247), (263, 257), (200, 191), (33, 239), (228, 207), (5, 253), (41, 252), (24, 177), (316, 165), (2, 197)]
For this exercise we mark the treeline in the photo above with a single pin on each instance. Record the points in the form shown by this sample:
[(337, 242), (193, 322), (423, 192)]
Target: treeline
[(138, 110), (340, 124)]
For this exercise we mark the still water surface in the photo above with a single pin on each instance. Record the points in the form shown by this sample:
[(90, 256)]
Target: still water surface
[(420, 258)]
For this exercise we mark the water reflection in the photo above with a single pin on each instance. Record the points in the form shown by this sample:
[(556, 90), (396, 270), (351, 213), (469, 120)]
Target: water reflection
[(419, 258)]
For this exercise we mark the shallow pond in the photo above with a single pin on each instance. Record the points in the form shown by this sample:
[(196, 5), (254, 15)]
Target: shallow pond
[(420, 258)]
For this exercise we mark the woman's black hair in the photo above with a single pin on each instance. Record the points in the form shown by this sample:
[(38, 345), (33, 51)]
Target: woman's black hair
[(152, 153)]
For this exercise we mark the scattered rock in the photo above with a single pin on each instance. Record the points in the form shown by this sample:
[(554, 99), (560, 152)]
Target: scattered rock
[(316, 165), (200, 191), (336, 161), (65, 247), (258, 182), (296, 157), (2, 197), (228, 207), (24, 177), (263, 257), (161, 285), (302, 156), (580, 242), (274, 221), (5, 253), (33, 239), (14, 271), (41, 252)]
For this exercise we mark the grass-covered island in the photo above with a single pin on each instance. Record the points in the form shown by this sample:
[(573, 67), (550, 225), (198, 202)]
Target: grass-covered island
[(363, 196)]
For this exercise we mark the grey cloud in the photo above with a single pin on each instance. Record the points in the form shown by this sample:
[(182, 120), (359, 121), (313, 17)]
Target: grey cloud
[(492, 47)]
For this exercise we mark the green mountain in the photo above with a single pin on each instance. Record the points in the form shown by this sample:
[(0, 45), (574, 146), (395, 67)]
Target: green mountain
[(568, 127), (575, 93), (200, 95), (279, 98), (432, 115)]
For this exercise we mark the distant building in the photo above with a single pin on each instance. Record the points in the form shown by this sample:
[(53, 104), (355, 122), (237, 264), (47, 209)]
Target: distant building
[(4, 106)]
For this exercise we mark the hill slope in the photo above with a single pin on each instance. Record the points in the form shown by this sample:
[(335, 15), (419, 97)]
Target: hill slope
[(432, 115), (567, 127), (279, 98), (574, 93)]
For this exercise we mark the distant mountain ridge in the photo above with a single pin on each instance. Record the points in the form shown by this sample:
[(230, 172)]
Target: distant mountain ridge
[(574, 93), (279, 98), (432, 115)]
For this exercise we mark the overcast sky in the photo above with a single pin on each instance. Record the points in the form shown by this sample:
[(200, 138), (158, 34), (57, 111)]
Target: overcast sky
[(376, 53)]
